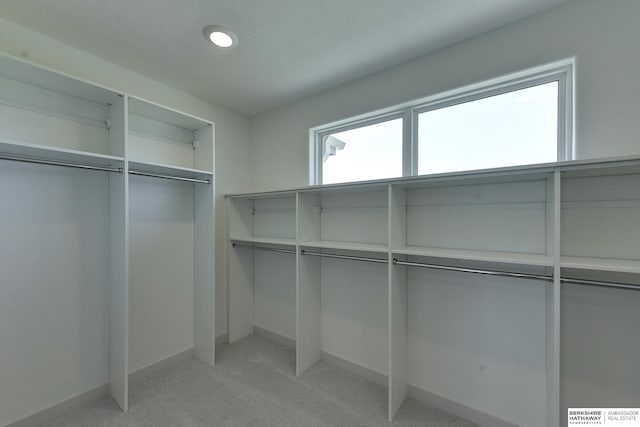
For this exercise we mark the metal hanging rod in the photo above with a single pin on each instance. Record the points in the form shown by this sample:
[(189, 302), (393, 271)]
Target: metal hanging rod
[(520, 275), (587, 282), (56, 163), (176, 178), (349, 257), (263, 248), (474, 270), (601, 284)]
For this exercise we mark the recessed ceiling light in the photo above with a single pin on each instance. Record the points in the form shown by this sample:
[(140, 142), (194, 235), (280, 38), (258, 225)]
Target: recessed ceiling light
[(220, 36)]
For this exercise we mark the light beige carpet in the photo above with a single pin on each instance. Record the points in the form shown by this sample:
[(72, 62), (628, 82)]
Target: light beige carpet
[(254, 384)]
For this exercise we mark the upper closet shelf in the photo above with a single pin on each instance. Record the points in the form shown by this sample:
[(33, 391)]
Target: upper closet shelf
[(348, 246), (536, 260), (159, 169), (166, 141), (589, 167), (57, 118), (617, 166), (36, 75), (55, 154), (151, 110), (601, 264)]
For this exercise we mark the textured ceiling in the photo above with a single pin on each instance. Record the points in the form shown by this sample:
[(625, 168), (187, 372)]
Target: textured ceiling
[(288, 49)]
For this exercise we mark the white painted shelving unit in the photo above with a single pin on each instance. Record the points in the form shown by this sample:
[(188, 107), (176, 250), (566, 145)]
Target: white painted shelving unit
[(171, 197), (269, 221), (107, 219), (536, 239)]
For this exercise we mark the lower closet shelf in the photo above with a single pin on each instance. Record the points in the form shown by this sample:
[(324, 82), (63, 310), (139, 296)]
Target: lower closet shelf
[(263, 240), (347, 246), (525, 259)]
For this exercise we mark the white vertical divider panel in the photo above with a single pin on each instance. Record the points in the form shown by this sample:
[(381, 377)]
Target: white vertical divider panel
[(240, 270), (398, 342), (308, 314), (204, 286), (119, 254), (553, 300)]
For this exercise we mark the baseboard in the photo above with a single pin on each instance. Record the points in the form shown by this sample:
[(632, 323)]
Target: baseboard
[(165, 363), (359, 370), (456, 408), (62, 408), (354, 368), (275, 336), (448, 405), (222, 339), (349, 366), (160, 365)]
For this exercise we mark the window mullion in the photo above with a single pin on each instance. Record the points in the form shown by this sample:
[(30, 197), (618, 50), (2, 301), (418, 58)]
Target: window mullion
[(409, 144)]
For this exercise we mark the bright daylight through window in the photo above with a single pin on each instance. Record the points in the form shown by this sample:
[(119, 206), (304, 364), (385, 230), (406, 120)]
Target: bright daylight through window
[(514, 128), (519, 120), (367, 152)]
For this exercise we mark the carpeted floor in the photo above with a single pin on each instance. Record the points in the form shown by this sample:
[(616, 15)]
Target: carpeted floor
[(254, 384)]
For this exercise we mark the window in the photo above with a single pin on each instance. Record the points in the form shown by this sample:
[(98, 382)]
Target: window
[(524, 118), (366, 152), (513, 128)]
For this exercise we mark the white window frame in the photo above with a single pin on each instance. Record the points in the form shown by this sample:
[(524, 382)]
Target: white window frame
[(354, 123), (560, 71)]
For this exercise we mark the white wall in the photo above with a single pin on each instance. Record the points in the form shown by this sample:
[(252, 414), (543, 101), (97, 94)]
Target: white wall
[(602, 35), (161, 273), (54, 322), (232, 169), (274, 292), (354, 315)]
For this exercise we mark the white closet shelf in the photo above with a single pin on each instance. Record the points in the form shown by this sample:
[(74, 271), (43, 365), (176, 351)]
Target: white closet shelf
[(536, 260), (151, 110), (570, 168), (23, 71), (601, 264), (621, 166), (349, 246), (42, 152), (169, 170), (262, 195), (264, 240)]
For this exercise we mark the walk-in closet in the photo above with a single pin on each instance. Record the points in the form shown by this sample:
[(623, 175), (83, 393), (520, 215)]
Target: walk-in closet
[(314, 214), (107, 227)]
